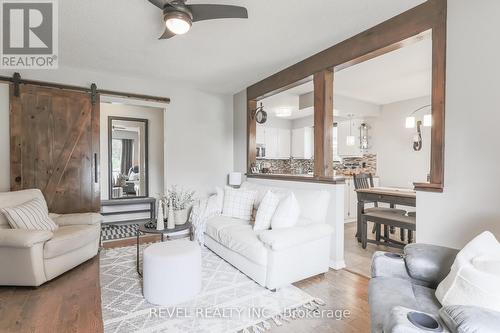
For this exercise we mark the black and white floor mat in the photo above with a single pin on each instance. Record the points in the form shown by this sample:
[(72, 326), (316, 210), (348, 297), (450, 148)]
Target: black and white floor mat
[(113, 232)]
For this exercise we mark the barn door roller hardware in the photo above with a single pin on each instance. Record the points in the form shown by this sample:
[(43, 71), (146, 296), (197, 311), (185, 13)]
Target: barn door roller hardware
[(93, 93), (16, 79)]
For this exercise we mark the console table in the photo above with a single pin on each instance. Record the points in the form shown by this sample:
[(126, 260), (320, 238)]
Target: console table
[(128, 207)]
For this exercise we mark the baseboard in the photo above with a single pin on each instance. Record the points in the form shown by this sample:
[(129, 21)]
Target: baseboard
[(337, 264)]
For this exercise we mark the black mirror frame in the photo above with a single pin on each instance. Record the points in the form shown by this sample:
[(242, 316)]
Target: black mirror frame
[(146, 156)]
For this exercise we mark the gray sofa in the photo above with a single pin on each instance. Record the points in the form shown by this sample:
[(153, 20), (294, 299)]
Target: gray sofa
[(406, 284)]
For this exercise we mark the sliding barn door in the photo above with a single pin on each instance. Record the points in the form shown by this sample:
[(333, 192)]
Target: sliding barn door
[(55, 146)]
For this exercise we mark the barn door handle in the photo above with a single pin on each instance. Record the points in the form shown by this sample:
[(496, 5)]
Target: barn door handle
[(95, 168)]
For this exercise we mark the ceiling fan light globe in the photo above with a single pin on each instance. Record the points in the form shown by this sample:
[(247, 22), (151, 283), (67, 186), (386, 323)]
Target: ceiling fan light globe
[(178, 23)]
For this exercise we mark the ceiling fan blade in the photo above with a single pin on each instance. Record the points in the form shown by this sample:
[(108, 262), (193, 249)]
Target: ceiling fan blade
[(167, 34), (210, 12), (160, 3)]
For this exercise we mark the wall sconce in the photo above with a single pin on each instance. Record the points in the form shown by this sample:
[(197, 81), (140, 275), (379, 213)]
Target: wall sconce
[(412, 122), (259, 114), (363, 135)]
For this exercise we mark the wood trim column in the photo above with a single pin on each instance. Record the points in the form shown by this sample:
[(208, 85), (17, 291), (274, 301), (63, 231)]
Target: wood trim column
[(251, 135), (323, 123), (436, 183)]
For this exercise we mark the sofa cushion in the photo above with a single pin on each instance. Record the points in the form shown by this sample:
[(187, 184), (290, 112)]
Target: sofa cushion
[(238, 203), (69, 238), (470, 319), (239, 236), (469, 284), (11, 199), (266, 210), (386, 293), (313, 203), (429, 263), (287, 213), (30, 215), (76, 219)]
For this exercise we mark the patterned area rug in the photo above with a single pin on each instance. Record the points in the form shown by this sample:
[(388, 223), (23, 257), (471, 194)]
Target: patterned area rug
[(229, 300), (111, 232)]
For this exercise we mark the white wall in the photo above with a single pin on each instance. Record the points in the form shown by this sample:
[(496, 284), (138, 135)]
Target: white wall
[(198, 131), (469, 203), (240, 132), (397, 163), (155, 143)]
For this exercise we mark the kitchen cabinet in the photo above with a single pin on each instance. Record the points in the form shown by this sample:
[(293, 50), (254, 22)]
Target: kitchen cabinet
[(351, 199), (284, 143), (276, 141), (345, 129), (303, 143), (259, 135)]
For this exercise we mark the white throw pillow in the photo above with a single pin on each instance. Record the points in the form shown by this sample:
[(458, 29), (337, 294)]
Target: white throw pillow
[(287, 213), (31, 215), (266, 211), (471, 281), (238, 203), (220, 199)]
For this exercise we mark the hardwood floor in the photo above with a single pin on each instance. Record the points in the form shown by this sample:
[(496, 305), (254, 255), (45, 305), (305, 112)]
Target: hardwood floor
[(357, 259), (69, 303), (72, 302)]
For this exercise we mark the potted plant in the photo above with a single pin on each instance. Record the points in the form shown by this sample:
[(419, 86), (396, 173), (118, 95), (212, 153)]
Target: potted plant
[(181, 201)]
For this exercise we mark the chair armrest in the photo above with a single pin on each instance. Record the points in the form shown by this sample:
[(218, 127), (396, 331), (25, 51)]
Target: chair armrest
[(388, 265), (281, 239), (429, 263), (77, 219), (462, 318), (22, 238), (396, 321)]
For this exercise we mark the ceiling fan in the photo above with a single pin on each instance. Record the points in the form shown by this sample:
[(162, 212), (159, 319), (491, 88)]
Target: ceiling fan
[(179, 16)]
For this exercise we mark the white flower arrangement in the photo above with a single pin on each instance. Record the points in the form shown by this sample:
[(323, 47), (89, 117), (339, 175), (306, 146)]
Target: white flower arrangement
[(181, 199)]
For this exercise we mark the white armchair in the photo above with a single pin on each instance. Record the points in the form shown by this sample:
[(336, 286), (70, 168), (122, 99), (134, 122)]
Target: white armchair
[(34, 257)]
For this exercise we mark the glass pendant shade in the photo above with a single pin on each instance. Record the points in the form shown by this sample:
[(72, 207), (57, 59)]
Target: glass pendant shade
[(410, 122)]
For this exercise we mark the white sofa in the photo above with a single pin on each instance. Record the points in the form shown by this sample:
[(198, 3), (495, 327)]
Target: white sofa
[(276, 258), (32, 257)]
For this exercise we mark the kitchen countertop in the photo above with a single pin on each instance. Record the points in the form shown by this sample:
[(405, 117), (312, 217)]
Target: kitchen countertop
[(299, 177)]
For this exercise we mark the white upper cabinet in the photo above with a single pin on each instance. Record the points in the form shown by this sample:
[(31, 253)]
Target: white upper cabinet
[(276, 141), (283, 143), (260, 138), (303, 143), (271, 140)]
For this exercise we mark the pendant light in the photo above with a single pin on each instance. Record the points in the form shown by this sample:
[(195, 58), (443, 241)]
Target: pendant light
[(350, 139)]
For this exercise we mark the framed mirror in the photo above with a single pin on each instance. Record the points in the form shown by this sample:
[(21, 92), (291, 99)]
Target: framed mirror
[(128, 157)]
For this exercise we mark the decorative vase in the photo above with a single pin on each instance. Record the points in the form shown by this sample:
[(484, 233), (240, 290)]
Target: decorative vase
[(181, 216), (160, 224), (171, 216)]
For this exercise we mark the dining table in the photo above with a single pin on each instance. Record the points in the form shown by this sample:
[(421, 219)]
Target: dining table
[(390, 195)]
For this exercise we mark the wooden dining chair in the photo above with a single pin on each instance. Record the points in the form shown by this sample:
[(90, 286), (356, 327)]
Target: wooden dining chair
[(364, 181)]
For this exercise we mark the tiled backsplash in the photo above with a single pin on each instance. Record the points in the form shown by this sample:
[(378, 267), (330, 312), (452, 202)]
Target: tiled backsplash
[(355, 165), (296, 166), (350, 165)]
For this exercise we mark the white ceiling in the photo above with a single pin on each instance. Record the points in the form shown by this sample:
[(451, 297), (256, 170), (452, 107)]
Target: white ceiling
[(221, 56)]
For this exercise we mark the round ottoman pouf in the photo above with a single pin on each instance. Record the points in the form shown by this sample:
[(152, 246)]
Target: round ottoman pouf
[(172, 272)]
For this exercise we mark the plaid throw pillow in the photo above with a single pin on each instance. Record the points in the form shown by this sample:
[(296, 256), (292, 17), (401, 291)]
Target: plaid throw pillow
[(31, 215), (238, 203)]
